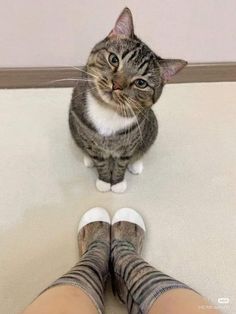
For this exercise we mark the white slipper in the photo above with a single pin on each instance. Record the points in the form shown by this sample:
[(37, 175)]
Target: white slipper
[(94, 214), (130, 215)]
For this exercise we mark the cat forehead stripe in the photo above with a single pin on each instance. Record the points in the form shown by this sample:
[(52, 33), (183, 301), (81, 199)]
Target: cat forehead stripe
[(127, 51)]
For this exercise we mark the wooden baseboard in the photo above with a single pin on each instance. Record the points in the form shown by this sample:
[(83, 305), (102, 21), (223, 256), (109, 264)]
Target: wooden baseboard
[(60, 76)]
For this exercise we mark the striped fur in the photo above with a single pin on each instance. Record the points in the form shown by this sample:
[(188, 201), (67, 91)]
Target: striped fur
[(113, 76), (136, 283), (91, 272), (110, 154)]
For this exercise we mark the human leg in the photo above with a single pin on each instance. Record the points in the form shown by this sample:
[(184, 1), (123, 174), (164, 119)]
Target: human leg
[(140, 286), (84, 284)]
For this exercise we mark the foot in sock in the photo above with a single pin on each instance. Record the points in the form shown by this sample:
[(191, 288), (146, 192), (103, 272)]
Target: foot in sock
[(91, 272), (135, 282)]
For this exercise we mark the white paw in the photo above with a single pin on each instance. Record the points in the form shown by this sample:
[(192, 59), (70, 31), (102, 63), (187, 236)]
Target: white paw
[(119, 187), (88, 162), (103, 186), (136, 167)]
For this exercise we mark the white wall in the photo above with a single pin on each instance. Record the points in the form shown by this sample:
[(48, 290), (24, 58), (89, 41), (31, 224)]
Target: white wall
[(61, 32)]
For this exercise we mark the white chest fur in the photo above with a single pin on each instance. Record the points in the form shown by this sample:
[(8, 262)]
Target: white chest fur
[(105, 120)]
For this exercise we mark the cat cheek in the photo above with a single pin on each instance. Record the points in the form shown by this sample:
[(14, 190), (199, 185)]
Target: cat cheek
[(146, 99), (91, 59), (98, 59)]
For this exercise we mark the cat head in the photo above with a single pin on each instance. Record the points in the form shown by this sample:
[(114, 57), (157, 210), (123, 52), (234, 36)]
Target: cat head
[(125, 73)]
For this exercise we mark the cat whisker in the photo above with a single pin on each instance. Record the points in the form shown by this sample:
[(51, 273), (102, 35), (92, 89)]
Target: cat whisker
[(77, 95), (137, 106), (67, 79), (124, 113), (127, 132), (95, 73), (76, 68), (140, 132), (86, 72), (132, 103), (102, 84)]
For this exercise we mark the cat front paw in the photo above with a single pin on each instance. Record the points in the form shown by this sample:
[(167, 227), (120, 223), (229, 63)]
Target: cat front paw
[(136, 167), (119, 187), (88, 162), (103, 186)]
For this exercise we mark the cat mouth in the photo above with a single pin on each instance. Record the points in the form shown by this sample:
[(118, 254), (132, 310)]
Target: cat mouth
[(109, 95)]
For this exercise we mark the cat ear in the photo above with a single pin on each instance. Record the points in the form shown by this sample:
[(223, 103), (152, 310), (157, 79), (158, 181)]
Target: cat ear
[(169, 67), (124, 25)]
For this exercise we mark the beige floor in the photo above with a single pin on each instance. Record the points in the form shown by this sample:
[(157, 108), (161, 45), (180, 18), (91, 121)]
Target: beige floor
[(186, 192)]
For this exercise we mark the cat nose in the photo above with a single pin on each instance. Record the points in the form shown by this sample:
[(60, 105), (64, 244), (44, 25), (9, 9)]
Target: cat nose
[(116, 85)]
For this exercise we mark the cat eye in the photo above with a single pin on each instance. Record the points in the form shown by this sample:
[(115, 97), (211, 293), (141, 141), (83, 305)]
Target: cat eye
[(113, 59), (140, 83)]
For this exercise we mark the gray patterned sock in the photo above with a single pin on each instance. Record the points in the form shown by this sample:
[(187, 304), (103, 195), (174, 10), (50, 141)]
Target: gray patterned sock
[(91, 272), (136, 283)]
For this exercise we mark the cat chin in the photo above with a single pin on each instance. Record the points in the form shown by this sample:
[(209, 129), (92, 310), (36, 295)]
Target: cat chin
[(103, 96), (106, 96), (108, 100)]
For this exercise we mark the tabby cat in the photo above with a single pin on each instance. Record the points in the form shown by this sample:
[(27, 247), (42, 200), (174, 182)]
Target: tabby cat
[(110, 115)]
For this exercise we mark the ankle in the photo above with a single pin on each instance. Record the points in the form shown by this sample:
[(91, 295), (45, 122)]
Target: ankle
[(98, 253), (121, 252), (98, 246), (119, 245), (120, 249)]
